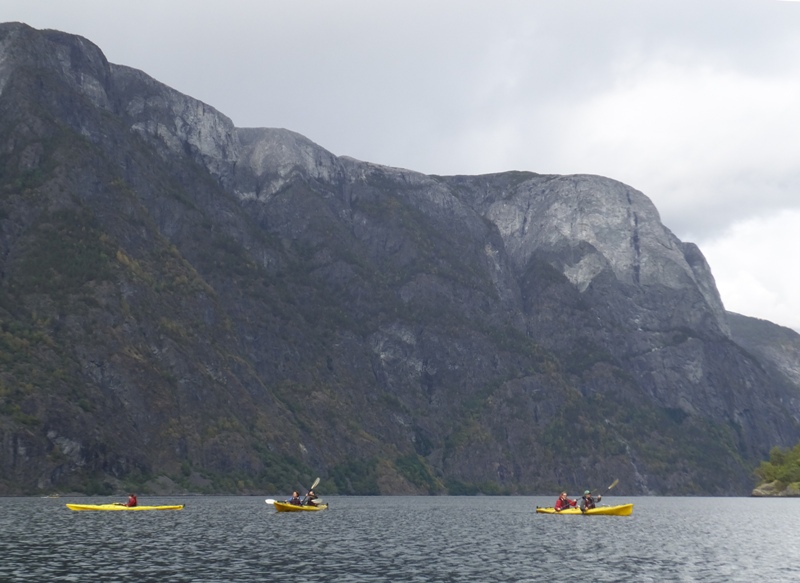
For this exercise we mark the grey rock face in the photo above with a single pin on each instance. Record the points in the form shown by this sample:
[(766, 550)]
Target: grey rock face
[(271, 158), (177, 122), (589, 224)]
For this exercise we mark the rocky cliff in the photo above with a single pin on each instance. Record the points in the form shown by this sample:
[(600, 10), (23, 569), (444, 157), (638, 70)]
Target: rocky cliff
[(191, 306)]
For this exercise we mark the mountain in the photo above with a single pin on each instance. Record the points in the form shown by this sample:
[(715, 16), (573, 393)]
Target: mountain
[(190, 306)]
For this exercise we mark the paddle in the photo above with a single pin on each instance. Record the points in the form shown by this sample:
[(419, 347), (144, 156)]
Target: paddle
[(300, 486), (614, 483)]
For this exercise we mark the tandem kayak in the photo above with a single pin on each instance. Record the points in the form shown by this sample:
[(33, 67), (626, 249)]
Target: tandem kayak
[(118, 507), (286, 507), (621, 510)]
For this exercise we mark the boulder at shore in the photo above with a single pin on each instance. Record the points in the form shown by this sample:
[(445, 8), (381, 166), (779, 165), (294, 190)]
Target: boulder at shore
[(777, 489)]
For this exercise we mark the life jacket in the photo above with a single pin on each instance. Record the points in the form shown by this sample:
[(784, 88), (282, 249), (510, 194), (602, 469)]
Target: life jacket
[(562, 504)]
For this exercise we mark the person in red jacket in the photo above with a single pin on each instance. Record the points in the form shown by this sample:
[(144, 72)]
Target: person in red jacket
[(564, 502), (132, 501)]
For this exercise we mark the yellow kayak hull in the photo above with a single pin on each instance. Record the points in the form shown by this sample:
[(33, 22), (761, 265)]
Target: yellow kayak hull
[(286, 507), (120, 507), (620, 510)]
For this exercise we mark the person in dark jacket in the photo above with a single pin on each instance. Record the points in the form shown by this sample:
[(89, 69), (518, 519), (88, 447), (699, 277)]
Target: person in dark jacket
[(563, 502), (588, 502), (295, 499), (309, 499)]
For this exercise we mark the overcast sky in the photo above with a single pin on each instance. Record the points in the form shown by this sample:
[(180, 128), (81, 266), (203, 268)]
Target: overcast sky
[(696, 103)]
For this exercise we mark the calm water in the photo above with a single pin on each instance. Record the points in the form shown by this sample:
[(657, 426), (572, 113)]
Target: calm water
[(481, 539)]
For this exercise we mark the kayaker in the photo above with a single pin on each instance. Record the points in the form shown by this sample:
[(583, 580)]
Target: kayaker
[(132, 501), (564, 502), (309, 499), (295, 499), (588, 502)]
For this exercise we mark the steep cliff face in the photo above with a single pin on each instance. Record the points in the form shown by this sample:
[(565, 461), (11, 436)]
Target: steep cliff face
[(192, 306), (777, 349), (662, 318)]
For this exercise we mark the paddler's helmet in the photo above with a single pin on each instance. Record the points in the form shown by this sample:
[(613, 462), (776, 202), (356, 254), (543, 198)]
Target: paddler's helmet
[(587, 492)]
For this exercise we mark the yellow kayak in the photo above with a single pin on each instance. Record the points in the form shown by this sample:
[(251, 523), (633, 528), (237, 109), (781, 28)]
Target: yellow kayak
[(286, 507), (118, 507), (621, 510)]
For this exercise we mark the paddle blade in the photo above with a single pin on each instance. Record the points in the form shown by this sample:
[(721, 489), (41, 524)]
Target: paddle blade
[(314, 485), (269, 501), (614, 483)]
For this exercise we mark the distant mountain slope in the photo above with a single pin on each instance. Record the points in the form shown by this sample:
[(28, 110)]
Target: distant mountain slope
[(777, 347), (190, 306)]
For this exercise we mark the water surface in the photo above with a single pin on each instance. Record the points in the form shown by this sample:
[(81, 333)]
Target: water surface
[(402, 539)]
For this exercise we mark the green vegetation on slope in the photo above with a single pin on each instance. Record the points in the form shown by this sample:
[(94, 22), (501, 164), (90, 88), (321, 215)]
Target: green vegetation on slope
[(783, 466)]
